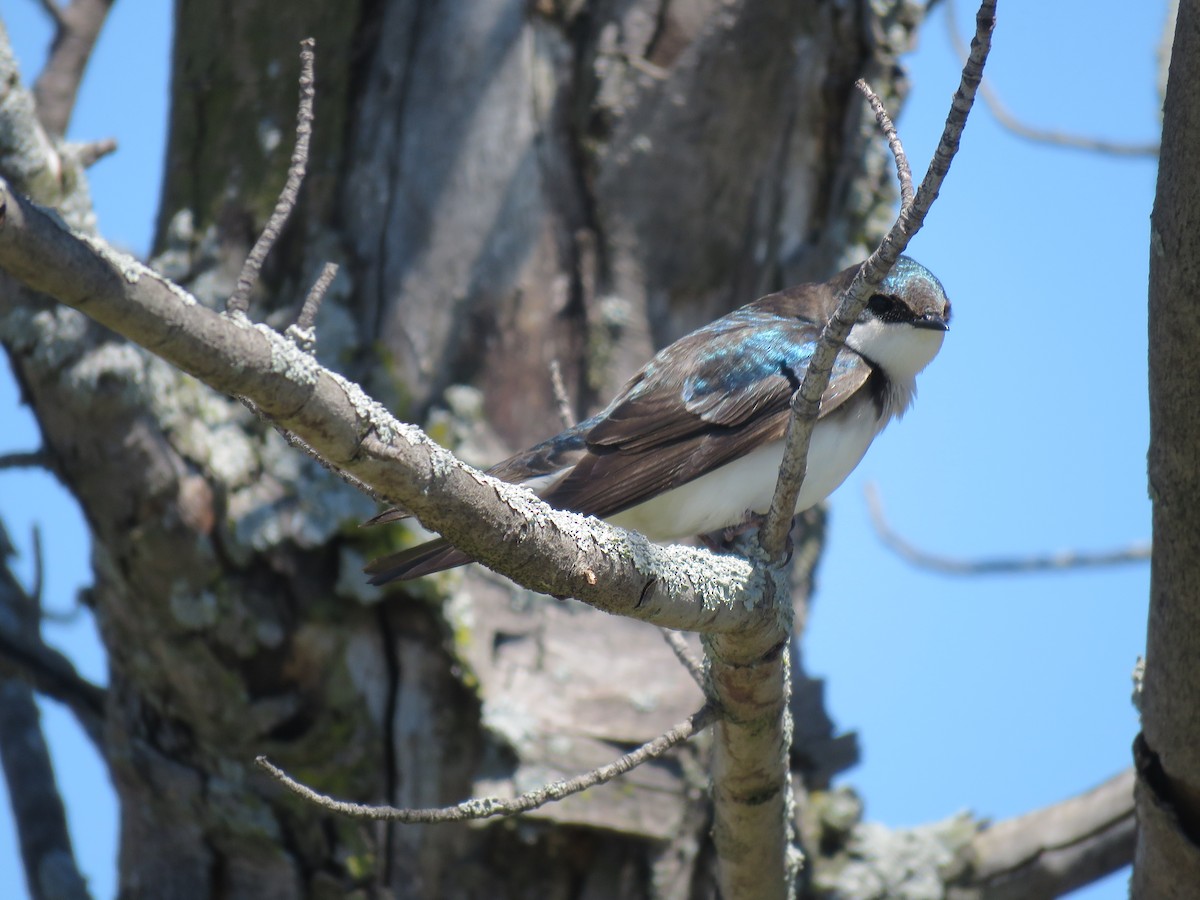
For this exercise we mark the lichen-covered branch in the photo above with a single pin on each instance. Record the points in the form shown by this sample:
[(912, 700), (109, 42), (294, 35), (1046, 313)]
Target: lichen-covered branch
[(503, 526)]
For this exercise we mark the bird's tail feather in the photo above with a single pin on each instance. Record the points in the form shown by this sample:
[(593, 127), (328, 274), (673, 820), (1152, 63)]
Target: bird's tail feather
[(430, 557)]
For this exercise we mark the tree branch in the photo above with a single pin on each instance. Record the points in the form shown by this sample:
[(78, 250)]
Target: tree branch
[(240, 301), (30, 459), (1009, 121), (903, 172), (490, 807), (502, 525), (77, 27), (806, 401), (952, 566), (749, 675), (1052, 851)]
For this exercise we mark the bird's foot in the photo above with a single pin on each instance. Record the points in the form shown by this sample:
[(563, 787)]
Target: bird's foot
[(721, 540)]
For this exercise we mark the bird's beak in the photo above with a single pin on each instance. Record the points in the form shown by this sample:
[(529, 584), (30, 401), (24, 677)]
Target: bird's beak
[(931, 321)]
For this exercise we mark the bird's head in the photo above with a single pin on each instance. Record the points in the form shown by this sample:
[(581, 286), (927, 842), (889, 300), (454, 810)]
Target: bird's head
[(902, 326)]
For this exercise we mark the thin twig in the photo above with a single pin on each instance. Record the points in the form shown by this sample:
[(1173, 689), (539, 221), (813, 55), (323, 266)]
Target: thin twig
[(1008, 120), (683, 653), (807, 400), (39, 569), (565, 415), (489, 807), (303, 333), (89, 153), (312, 303), (29, 459), (948, 565), (239, 301), (903, 172)]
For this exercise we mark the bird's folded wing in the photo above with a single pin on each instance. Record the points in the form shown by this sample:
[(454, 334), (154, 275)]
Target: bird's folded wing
[(694, 414)]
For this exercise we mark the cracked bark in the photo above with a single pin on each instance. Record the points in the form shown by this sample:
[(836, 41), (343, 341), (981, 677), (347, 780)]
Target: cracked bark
[(504, 185)]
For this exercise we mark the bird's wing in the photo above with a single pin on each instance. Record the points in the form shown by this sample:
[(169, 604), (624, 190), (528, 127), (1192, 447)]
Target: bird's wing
[(710, 398)]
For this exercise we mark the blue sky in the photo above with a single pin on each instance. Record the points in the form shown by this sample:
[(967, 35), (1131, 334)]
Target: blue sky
[(996, 694)]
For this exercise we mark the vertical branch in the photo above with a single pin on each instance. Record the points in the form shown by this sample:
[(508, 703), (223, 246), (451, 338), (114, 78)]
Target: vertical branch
[(806, 401), (77, 27), (240, 301)]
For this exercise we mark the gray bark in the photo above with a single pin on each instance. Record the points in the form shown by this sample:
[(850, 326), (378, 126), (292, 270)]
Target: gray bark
[(1167, 753), (505, 184)]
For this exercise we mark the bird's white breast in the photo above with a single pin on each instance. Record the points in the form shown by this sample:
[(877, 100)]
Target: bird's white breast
[(724, 496)]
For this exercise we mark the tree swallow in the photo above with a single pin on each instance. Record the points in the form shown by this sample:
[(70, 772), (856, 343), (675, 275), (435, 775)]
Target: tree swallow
[(693, 442)]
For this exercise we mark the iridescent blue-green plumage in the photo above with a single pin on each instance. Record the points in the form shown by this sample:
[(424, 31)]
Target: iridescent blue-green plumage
[(680, 450)]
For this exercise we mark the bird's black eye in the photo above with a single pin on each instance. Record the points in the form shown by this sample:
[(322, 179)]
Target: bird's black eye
[(882, 306)]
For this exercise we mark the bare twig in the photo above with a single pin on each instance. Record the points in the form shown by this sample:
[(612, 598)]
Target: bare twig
[(77, 27), (560, 395), (683, 653), (39, 569), (1008, 120), (239, 301), (1040, 563), (312, 303), (303, 333), (806, 401), (903, 172), (88, 154), (489, 807), (30, 459)]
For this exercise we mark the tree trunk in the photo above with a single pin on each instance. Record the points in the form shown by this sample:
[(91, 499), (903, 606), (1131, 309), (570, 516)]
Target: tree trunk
[(1167, 752), (504, 184)]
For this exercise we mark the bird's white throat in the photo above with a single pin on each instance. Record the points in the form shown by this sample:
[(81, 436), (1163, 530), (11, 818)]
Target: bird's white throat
[(898, 348), (901, 350)]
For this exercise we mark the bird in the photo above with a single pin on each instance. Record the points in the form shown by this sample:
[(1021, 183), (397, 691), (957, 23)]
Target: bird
[(693, 442)]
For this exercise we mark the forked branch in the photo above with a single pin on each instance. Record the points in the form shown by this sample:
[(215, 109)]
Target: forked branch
[(806, 401)]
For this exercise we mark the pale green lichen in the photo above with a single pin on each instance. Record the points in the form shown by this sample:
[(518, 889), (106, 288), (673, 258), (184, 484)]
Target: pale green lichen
[(908, 864), (289, 360), (368, 409)]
